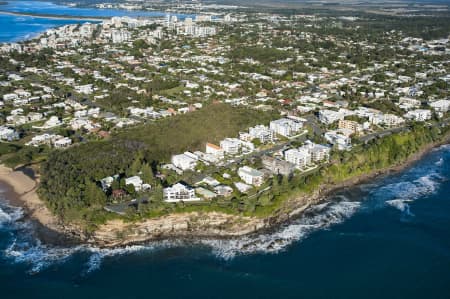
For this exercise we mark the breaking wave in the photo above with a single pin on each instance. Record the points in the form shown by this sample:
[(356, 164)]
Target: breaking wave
[(400, 194), (417, 182), (411, 190), (39, 257), (402, 205), (9, 214), (97, 255), (315, 218), (4, 217)]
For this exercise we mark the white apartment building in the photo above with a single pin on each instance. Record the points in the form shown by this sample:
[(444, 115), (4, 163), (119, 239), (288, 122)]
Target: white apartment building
[(261, 132), (441, 106), (285, 127), (231, 145), (185, 161), (418, 115), (179, 192), (197, 31), (34, 116), (392, 120), (318, 152), (301, 157), (251, 176), (48, 139), (85, 89), (329, 116), (120, 36), (338, 139), (10, 97)]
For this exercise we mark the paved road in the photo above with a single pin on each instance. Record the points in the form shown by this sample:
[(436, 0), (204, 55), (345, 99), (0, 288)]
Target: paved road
[(276, 148), (368, 137)]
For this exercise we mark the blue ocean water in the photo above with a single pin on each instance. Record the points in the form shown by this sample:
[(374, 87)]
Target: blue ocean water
[(42, 7), (386, 239), (18, 28)]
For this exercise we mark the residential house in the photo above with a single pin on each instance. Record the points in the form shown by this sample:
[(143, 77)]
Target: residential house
[(8, 134), (215, 150), (408, 103), (63, 142), (137, 183), (205, 193), (223, 190)]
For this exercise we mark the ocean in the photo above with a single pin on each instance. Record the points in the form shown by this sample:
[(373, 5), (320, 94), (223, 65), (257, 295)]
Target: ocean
[(389, 238), (18, 28)]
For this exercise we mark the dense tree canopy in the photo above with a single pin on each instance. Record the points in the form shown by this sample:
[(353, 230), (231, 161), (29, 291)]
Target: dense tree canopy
[(68, 176)]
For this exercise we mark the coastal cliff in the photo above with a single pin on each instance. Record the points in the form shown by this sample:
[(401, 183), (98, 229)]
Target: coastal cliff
[(119, 232)]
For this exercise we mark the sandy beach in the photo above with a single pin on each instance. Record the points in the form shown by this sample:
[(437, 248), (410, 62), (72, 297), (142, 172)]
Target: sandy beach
[(24, 189)]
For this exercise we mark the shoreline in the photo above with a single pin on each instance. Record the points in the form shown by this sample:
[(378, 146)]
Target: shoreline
[(21, 191), (53, 17)]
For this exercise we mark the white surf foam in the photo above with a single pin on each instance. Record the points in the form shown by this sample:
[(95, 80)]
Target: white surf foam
[(315, 218), (444, 147), (419, 182), (402, 205), (9, 214), (408, 189), (4, 217), (97, 255), (36, 255)]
